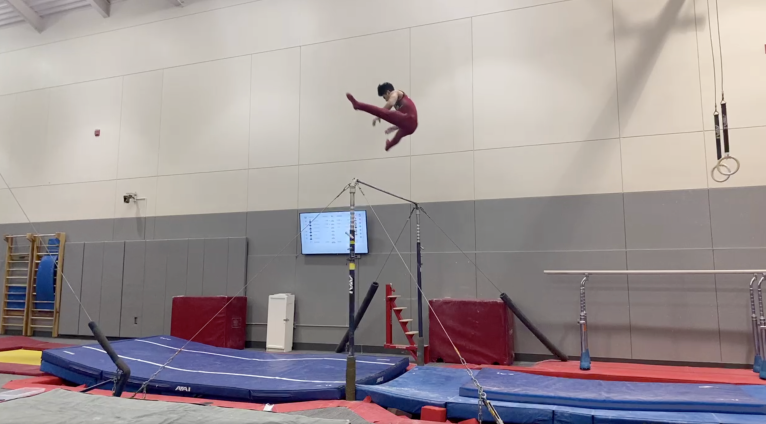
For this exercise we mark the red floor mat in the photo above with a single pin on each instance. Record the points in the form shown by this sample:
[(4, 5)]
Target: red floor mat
[(611, 371)]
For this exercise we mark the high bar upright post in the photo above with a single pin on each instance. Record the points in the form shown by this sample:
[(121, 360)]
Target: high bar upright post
[(351, 359)]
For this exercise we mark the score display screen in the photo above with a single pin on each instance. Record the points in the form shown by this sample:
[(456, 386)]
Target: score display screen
[(327, 233)]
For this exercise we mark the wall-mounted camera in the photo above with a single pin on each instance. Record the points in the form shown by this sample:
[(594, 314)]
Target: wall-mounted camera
[(128, 197)]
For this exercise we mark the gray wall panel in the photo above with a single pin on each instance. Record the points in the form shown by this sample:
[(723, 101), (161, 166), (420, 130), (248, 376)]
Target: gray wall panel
[(735, 224), (275, 274), (132, 289), (92, 270), (269, 232), (668, 220), (69, 320), (216, 267), (734, 303), (78, 231), (201, 226), (194, 270), (111, 288), (593, 222), (177, 265), (552, 302), (321, 291), (237, 267), (139, 228), (153, 311), (395, 221), (456, 219), (673, 317)]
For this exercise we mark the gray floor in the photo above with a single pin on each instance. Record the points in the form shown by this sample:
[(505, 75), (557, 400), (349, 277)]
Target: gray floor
[(333, 414)]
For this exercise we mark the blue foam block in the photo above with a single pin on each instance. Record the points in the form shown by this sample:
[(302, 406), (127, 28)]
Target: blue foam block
[(757, 363), (222, 373), (510, 386), (45, 283)]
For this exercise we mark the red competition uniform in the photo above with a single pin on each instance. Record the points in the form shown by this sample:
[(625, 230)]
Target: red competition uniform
[(405, 116)]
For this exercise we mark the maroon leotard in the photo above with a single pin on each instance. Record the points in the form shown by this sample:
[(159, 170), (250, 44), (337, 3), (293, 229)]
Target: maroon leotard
[(405, 116)]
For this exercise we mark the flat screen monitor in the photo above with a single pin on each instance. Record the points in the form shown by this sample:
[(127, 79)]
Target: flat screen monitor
[(327, 233)]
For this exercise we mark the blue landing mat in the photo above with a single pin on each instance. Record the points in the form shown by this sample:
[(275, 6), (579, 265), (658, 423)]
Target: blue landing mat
[(440, 387), (510, 386), (202, 370)]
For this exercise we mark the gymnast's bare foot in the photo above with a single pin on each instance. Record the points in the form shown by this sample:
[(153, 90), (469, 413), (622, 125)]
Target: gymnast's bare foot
[(353, 101), (389, 145)]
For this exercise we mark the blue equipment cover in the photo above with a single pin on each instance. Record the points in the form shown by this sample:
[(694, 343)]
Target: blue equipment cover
[(511, 386), (220, 373), (435, 386), (45, 286)]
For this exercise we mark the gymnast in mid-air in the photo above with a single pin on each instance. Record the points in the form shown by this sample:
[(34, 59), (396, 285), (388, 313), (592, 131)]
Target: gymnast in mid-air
[(404, 117)]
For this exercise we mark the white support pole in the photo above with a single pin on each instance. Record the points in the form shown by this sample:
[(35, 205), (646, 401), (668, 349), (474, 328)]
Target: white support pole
[(28, 14), (101, 6)]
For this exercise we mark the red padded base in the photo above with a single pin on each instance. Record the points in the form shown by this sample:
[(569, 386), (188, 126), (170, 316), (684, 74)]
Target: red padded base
[(611, 371), (227, 328), (481, 329)]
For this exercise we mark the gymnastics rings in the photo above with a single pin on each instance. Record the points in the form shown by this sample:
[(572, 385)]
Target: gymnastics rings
[(724, 170)]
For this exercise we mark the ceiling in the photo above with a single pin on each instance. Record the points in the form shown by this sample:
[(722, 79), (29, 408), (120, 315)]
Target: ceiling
[(35, 11)]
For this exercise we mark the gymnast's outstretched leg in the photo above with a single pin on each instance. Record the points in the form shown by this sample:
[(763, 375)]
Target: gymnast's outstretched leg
[(391, 116)]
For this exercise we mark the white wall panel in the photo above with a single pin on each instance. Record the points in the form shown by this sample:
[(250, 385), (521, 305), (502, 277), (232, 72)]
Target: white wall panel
[(85, 21), (443, 177), (25, 70), (319, 184), (10, 212), (442, 87), (273, 189), (330, 129), (491, 6), (274, 108), (67, 202), (143, 187), (749, 146), (664, 162), (743, 53), (552, 170), (23, 133), (140, 128), (73, 153), (319, 20), (545, 75), (218, 34), (658, 72), (212, 192), (205, 117)]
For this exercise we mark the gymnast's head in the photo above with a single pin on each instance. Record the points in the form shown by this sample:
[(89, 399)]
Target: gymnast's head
[(385, 90)]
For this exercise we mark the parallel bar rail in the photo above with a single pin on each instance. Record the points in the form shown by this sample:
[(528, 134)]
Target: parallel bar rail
[(758, 320)]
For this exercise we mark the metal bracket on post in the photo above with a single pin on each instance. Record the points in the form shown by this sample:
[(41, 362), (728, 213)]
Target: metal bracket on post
[(584, 351)]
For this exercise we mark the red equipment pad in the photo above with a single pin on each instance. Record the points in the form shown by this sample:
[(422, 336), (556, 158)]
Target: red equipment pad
[(481, 329), (227, 329)]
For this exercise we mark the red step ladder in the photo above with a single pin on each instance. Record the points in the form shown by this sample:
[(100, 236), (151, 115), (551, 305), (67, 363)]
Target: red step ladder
[(392, 309)]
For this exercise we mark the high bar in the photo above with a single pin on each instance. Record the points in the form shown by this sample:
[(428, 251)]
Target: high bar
[(386, 192), (661, 272)]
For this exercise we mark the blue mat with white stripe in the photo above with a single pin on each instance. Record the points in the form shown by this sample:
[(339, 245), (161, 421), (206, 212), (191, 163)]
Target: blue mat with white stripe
[(218, 373)]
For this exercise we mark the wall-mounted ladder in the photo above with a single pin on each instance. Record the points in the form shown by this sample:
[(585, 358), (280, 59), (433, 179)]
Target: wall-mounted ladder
[(13, 315), (32, 283)]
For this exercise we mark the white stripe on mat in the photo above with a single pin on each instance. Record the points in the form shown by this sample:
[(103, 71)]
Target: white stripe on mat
[(265, 360), (219, 373)]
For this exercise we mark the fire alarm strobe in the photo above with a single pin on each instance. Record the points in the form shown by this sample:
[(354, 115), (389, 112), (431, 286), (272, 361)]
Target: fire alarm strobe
[(98, 133)]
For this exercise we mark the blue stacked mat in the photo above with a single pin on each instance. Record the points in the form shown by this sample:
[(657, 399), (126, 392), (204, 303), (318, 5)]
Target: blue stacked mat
[(202, 370), (442, 387)]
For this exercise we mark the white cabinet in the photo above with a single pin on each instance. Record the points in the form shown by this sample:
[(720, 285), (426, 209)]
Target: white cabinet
[(279, 328)]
